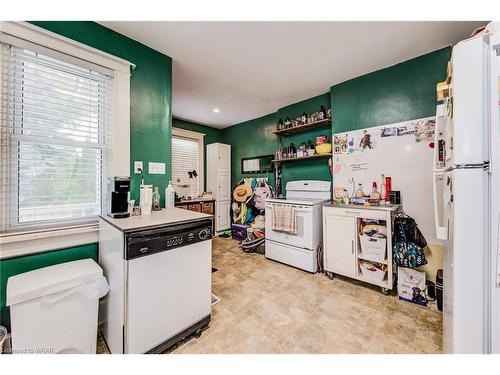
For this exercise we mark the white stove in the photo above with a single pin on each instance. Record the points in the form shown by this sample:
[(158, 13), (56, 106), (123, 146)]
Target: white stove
[(298, 249)]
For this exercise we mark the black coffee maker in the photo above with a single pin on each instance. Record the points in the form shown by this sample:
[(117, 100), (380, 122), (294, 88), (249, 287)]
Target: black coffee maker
[(118, 190)]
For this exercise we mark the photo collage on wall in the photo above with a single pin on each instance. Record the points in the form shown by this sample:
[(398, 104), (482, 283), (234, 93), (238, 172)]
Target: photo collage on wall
[(349, 148)]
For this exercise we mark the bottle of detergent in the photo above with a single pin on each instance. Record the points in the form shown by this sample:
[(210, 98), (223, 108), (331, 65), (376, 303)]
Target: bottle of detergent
[(169, 196)]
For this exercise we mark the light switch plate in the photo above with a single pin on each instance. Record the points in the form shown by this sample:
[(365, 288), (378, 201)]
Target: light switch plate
[(137, 166), (156, 168)]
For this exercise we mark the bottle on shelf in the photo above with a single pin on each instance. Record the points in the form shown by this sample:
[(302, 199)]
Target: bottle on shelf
[(374, 195), (359, 193), (388, 187), (382, 188)]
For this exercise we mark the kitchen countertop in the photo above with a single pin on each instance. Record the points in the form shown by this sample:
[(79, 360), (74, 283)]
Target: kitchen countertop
[(161, 218), (389, 207)]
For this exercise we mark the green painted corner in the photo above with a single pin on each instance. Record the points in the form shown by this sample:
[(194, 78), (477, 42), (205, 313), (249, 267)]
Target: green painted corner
[(150, 94), (256, 138), (250, 138)]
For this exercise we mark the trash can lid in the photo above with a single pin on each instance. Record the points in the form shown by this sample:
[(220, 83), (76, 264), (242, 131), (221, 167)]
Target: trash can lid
[(48, 280)]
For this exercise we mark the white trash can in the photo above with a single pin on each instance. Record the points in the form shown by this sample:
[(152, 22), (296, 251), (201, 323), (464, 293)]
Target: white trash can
[(55, 309)]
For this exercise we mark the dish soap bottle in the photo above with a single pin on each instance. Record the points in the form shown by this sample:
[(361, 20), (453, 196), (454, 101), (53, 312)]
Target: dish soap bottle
[(169, 196)]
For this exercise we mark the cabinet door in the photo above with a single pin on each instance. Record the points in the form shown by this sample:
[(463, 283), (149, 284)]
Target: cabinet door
[(224, 187), (222, 212), (224, 158), (339, 241)]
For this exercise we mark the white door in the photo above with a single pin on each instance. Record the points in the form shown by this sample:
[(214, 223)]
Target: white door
[(167, 293), (224, 187), (224, 158), (339, 234), (223, 219)]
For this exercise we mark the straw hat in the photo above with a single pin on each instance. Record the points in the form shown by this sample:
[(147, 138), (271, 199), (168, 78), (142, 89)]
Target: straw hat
[(242, 192)]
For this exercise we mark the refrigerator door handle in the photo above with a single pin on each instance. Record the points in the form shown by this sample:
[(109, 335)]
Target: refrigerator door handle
[(484, 165), (441, 231)]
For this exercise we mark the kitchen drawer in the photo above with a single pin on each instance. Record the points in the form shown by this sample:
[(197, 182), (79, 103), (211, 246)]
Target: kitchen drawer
[(194, 207), (365, 213), (183, 206), (207, 208)]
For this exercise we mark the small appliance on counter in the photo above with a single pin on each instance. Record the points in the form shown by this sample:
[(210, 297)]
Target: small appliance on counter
[(119, 194)]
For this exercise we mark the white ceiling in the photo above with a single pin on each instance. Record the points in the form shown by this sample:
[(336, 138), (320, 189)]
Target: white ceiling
[(250, 69)]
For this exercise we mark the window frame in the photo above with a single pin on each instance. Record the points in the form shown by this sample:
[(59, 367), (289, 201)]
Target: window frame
[(12, 219), (200, 138), (41, 238)]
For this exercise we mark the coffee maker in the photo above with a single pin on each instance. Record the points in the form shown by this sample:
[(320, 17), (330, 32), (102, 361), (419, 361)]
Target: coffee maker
[(118, 193)]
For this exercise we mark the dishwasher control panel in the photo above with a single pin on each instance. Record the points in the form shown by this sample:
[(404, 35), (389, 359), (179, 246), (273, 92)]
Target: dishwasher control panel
[(147, 242)]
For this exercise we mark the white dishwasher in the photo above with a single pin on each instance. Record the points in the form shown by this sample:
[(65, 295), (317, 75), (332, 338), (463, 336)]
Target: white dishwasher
[(160, 289)]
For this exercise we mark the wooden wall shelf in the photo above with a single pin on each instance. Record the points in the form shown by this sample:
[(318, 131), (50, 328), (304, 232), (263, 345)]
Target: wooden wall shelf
[(300, 128), (317, 156)]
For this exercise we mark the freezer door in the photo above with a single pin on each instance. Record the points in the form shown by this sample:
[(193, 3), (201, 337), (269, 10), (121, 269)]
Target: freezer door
[(466, 207), (467, 141)]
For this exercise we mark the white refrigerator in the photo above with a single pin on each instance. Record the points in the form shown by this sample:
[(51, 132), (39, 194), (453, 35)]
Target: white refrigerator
[(466, 197)]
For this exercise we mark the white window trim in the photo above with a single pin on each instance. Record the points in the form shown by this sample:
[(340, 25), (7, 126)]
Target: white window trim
[(200, 137), (21, 243)]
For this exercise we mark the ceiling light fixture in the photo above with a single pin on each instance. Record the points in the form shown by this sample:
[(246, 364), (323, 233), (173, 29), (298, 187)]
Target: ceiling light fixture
[(216, 110)]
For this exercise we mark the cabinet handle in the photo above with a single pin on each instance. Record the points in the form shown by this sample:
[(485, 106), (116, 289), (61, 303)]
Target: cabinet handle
[(352, 247), (352, 212)]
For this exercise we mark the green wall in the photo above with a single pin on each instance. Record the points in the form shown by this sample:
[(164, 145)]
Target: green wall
[(401, 92), (150, 94), (256, 138), (212, 135), (15, 266), (250, 138)]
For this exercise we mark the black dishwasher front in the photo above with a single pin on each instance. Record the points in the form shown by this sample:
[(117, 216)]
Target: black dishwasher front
[(152, 241)]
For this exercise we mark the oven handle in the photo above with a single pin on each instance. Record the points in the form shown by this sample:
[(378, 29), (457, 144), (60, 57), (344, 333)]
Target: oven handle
[(297, 208)]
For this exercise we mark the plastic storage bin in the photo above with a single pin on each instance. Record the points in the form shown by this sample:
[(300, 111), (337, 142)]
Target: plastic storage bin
[(373, 248), (54, 309), (372, 271)]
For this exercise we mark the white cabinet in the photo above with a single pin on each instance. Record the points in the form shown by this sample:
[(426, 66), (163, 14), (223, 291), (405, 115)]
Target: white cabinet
[(219, 182), (339, 240), (342, 251)]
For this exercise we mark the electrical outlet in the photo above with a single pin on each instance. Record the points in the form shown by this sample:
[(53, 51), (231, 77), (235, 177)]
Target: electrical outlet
[(156, 168), (137, 166)]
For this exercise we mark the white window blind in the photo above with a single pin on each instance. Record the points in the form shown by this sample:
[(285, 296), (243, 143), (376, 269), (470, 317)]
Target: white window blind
[(55, 138), (185, 160)]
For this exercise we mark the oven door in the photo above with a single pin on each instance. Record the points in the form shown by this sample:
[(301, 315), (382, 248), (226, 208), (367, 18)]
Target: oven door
[(304, 236)]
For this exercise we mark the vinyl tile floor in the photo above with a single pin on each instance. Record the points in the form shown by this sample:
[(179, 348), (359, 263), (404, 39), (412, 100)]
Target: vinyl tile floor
[(268, 307)]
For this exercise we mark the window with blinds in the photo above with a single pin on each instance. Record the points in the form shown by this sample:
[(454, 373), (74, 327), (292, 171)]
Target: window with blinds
[(185, 160), (55, 138)]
